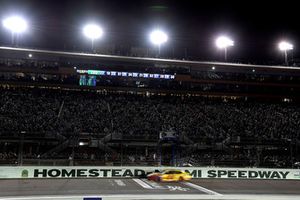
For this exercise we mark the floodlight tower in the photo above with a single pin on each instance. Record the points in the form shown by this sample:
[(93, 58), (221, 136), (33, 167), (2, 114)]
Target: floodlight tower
[(158, 38), (223, 42), (93, 32), (16, 25), (285, 47)]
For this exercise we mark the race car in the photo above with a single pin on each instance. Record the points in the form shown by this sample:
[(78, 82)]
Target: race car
[(170, 175)]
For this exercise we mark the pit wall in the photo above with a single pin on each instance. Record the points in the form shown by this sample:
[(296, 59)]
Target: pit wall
[(130, 172)]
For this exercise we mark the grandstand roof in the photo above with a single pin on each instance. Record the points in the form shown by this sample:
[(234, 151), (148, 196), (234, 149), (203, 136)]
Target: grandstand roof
[(150, 60)]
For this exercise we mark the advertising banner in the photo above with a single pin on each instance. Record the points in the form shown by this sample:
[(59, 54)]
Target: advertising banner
[(128, 172)]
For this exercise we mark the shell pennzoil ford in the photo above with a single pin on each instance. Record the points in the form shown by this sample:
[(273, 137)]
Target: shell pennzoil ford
[(170, 175)]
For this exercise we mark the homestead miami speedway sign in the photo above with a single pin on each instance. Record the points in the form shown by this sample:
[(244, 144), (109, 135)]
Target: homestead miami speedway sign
[(129, 172)]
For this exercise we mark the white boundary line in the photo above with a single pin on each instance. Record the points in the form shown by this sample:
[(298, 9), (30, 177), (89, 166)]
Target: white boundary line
[(119, 182), (153, 184), (157, 197), (202, 189), (142, 183)]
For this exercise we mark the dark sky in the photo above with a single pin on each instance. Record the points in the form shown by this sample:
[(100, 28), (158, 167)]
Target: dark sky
[(256, 27)]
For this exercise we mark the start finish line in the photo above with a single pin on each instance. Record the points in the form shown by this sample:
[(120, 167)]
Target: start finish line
[(133, 172)]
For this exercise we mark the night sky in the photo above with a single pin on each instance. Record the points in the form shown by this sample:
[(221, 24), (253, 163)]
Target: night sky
[(256, 27)]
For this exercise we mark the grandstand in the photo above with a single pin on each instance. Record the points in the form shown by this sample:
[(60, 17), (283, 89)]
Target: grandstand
[(67, 108)]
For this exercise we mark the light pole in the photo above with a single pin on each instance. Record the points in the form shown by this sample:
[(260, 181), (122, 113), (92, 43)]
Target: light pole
[(158, 37), (285, 47), (93, 32), (16, 25), (223, 42)]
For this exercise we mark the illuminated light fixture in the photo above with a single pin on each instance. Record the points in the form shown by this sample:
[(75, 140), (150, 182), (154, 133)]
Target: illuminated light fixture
[(15, 24), (93, 32), (224, 42), (285, 47), (158, 38), (213, 68), (81, 143), (30, 55)]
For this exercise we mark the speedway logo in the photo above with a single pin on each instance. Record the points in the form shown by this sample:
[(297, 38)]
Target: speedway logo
[(132, 172)]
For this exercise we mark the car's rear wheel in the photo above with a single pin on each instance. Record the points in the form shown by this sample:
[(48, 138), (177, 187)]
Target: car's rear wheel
[(181, 178)]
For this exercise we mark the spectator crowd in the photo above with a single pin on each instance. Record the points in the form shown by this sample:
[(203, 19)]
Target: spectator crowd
[(201, 119)]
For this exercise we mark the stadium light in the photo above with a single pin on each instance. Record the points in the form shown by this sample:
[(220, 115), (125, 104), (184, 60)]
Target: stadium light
[(81, 143), (158, 37), (93, 32), (16, 25), (285, 46), (224, 42)]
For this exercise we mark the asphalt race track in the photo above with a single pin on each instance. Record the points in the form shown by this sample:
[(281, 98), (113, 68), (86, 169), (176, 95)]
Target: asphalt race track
[(144, 189)]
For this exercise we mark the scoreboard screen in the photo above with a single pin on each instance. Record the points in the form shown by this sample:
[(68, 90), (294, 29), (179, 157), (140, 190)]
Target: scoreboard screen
[(125, 74), (87, 80)]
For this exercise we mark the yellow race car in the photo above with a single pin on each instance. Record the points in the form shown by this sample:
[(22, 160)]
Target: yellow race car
[(170, 175)]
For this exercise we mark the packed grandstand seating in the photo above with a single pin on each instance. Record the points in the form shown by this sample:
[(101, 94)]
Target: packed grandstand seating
[(204, 120), (66, 111)]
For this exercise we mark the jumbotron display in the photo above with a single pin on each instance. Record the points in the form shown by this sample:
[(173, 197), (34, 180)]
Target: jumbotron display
[(125, 74)]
